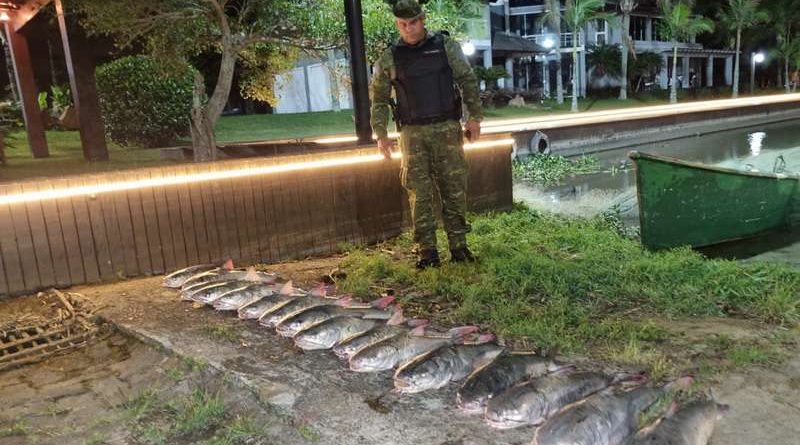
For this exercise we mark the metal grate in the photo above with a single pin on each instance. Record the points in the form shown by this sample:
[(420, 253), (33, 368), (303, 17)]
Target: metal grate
[(70, 330)]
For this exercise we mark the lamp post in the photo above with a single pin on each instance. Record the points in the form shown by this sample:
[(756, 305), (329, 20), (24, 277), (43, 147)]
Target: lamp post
[(358, 68), (547, 44), (754, 58)]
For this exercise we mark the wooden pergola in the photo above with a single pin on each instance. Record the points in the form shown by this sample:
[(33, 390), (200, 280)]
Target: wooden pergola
[(15, 14)]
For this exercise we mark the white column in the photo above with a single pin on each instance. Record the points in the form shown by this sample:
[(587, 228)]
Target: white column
[(487, 58), (582, 72), (510, 71), (729, 71), (545, 77), (664, 76), (686, 63), (648, 31), (710, 72)]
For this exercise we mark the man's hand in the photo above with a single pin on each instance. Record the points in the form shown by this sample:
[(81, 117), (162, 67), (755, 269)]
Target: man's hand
[(472, 130), (385, 145)]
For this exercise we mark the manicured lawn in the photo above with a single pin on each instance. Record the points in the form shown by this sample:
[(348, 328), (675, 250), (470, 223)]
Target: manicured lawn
[(67, 158)]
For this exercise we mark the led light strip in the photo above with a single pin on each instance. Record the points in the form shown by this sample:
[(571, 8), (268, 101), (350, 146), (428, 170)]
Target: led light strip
[(589, 117), (91, 190)]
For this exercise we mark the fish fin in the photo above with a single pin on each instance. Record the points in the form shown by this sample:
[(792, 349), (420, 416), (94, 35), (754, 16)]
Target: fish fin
[(320, 291), (227, 265), (397, 317), (418, 331), (344, 301), (627, 379), (383, 302), (251, 274), (415, 322), (287, 288), (462, 331), (680, 384)]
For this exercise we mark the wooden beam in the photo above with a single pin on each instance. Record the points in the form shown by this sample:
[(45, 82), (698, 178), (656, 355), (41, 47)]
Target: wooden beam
[(27, 12), (23, 69), (84, 93)]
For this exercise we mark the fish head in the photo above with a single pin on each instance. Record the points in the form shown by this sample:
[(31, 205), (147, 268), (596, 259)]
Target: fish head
[(470, 404), (314, 338), (722, 410), (420, 375), (298, 322), (374, 358)]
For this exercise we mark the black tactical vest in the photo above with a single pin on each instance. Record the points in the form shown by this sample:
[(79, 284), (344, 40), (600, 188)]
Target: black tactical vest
[(424, 83)]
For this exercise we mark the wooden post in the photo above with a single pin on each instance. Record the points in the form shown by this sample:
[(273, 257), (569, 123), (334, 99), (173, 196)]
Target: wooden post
[(23, 70), (84, 94)]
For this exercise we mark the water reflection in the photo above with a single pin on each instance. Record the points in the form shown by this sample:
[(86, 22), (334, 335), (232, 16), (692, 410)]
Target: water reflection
[(756, 142)]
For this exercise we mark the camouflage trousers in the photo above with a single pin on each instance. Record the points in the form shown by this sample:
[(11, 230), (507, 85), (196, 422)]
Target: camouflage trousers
[(433, 162)]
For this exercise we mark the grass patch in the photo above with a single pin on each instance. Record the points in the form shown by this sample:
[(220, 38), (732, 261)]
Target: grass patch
[(657, 365), (573, 284), (754, 354), (221, 332), (308, 432), (18, 429), (191, 364), (199, 413), (194, 416), (242, 430), (549, 170)]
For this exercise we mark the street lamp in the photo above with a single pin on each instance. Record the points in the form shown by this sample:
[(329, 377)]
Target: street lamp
[(548, 43), (754, 58), (468, 48)]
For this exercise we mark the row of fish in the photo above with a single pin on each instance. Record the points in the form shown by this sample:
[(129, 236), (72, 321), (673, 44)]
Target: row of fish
[(509, 389)]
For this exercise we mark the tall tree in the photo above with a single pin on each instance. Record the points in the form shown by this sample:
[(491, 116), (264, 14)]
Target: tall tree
[(626, 7), (177, 30), (264, 35), (680, 25), (577, 15), (785, 20), (553, 17), (738, 16)]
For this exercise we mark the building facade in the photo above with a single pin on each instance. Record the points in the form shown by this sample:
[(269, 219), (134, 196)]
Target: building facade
[(532, 71)]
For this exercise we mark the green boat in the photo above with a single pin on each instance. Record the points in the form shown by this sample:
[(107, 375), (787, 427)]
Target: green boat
[(685, 203)]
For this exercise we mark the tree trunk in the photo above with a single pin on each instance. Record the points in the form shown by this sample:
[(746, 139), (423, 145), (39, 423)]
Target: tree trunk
[(574, 72), (736, 64), (203, 140), (206, 115), (12, 78), (333, 73), (626, 24), (786, 75), (673, 92)]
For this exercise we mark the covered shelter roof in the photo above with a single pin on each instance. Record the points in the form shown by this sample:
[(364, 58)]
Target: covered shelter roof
[(504, 43)]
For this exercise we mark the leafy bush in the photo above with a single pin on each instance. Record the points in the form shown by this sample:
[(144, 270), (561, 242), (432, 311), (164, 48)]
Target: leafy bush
[(144, 103), (490, 75)]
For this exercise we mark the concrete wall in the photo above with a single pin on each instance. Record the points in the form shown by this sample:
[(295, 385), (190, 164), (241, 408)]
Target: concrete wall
[(265, 217)]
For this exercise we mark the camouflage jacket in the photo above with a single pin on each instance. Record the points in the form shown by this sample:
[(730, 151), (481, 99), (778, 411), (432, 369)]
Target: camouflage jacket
[(381, 86)]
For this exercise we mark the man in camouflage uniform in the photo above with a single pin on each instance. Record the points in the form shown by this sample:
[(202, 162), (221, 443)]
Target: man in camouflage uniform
[(426, 72)]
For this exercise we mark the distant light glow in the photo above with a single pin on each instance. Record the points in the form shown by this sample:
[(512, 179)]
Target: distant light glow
[(468, 48), (756, 141), (548, 43), (759, 57), (92, 190)]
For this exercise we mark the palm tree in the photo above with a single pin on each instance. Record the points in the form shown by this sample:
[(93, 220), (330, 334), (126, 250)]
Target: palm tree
[(553, 17), (577, 14), (738, 16), (680, 25), (626, 6), (785, 17)]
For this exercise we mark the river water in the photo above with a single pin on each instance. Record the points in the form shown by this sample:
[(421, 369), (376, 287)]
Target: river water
[(759, 148)]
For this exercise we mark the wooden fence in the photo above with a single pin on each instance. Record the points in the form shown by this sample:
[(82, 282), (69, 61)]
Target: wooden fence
[(257, 218)]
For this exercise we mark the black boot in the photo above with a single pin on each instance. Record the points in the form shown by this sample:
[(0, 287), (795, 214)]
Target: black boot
[(461, 255), (428, 258)]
